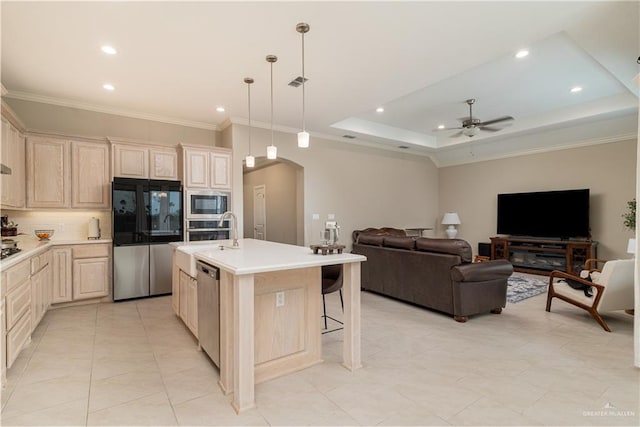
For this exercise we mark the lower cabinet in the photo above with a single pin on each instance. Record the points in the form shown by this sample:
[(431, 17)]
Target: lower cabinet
[(81, 272), (188, 301), (17, 309)]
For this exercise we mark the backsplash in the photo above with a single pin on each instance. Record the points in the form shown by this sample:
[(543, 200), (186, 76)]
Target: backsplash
[(68, 225)]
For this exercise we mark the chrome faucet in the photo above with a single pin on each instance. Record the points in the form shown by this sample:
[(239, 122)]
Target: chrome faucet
[(235, 225)]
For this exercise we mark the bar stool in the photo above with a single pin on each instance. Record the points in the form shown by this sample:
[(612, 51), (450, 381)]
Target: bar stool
[(331, 282)]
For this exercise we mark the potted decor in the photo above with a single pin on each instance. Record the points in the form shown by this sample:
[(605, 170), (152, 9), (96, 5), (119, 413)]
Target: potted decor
[(630, 223)]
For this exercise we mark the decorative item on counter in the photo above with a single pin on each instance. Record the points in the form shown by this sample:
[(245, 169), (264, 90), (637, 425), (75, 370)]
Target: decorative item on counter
[(9, 228), (94, 229), (44, 235)]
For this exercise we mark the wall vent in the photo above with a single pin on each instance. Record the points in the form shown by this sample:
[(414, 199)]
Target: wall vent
[(403, 147), (297, 82), (349, 136)]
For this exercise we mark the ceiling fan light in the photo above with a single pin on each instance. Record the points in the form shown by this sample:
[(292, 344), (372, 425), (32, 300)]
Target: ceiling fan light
[(303, 139), (470, 131)]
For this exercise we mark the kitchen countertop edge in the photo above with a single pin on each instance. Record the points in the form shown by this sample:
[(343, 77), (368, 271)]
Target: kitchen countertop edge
[(33, 247)]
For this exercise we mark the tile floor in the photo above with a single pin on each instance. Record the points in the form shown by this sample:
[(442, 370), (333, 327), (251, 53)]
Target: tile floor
[(135, 363)]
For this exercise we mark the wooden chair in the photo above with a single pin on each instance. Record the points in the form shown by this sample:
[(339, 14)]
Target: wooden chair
[(612, 288)]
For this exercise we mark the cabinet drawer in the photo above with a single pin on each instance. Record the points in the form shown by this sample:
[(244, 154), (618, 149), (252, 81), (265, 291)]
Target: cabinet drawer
[(39, 262), (91, 251), (18, 302), (18, 337), (18, 274)]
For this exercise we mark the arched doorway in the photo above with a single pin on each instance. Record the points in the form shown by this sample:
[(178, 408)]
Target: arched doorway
[(273, 200)]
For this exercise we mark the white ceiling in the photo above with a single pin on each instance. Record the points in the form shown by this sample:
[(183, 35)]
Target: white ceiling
[(178, 61)]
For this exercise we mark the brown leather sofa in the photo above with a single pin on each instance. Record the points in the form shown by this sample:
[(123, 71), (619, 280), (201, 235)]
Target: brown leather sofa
[(433, 273)]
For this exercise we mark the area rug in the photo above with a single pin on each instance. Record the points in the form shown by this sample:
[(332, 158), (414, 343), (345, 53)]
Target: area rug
[(520, 287)]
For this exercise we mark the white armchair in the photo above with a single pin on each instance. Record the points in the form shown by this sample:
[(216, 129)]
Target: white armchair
[(612, 289)]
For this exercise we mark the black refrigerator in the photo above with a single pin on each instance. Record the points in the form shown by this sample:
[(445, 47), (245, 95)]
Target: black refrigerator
[(147, 216)]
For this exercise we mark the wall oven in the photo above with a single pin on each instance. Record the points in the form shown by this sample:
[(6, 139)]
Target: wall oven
[(206, 204), (198, 230)]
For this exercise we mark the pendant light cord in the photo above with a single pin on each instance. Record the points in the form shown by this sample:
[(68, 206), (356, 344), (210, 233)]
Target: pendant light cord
[(271, 103), (249, 104), (303, 85)]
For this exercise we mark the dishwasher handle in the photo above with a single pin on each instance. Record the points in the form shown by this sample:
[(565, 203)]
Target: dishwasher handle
[(209, 270)]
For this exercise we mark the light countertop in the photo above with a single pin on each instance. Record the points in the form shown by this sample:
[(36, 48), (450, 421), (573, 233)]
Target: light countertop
[(260, 256), (31, 246)]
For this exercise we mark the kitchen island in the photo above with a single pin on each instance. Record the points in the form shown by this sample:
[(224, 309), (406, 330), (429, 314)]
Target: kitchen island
[(270, 311)]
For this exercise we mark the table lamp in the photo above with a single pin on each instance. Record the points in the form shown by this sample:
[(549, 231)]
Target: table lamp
[(451, 219)]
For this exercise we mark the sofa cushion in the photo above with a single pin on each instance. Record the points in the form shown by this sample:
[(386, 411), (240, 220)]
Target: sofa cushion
[(458, 247), (400, 242), (384, 231), (370, 239)]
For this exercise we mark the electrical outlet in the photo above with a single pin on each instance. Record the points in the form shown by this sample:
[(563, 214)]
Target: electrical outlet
[(331, 216), (60, 227), (279, 299)]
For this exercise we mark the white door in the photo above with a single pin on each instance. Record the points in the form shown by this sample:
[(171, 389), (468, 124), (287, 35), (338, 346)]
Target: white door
[(259, 212)]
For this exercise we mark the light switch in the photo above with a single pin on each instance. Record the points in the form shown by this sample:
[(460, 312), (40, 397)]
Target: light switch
[(315, 216), (331, 216)]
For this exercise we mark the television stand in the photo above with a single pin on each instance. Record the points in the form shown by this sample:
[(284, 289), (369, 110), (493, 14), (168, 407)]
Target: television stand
[(542, 256)]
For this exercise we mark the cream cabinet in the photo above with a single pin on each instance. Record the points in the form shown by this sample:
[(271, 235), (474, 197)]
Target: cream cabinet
[(163, 164), (206, 167), (188, 301), (90, 181), (17, 282), (40, 287), (48, 173), (62, 281), (144, 161), (80, 272), (12, 154)]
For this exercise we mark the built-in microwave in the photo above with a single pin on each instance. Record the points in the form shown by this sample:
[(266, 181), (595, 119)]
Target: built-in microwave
[(206, 204)]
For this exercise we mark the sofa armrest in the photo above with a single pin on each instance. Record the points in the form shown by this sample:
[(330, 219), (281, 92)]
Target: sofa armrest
[(478, 272)]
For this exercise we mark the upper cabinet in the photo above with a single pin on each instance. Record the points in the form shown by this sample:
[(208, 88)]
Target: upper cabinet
[(206, 167), (12, 155), (48, 173), (63, 173), (90, 175), (133, 160)]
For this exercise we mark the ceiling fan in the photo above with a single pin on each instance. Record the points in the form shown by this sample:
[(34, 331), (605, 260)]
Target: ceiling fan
[(472, 126)]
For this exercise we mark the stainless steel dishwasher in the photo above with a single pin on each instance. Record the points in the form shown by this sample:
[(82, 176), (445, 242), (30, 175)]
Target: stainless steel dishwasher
[(209, 310)]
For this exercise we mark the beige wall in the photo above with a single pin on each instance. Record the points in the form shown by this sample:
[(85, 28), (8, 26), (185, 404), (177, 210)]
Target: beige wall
[(281, 189), (73, 121), (608, 170), (363, 187)]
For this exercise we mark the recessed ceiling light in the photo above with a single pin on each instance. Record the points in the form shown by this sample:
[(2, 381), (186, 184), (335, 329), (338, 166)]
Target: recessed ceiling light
[(576, 89), (109, 50), (440, 126), (220, 109), (522, 53), (109, 86), (380, 110)]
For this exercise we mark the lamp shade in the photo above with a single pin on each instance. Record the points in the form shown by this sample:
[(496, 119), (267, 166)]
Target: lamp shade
[(250, 161), (451, 218), (631, 246), (303, 139), (272, 152)]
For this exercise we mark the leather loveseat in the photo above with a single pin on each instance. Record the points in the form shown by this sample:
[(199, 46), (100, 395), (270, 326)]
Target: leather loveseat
[(433, 273)]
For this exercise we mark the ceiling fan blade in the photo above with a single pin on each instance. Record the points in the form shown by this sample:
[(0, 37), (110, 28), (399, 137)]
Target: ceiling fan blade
[(445, 129), (498, 120), (489, 129), (455, 135)]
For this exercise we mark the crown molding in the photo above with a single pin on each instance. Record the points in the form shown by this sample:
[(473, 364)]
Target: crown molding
[(26, 96)]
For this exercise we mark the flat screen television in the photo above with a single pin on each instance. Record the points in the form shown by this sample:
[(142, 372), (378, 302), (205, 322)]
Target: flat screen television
[(545, 214)]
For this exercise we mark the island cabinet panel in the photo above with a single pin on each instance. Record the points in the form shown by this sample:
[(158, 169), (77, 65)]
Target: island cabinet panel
[(90, 175), (287, 336), (48, 173)]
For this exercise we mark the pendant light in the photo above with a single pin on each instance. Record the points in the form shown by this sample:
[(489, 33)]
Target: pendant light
[(303, 137), (272, 150), (249, 161)]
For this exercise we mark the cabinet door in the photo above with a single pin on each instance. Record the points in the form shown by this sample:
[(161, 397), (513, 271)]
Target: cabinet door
[(62, 285), (175, 287), (196, 169), (164, 164), (37, 303), (12, 155), (220, 170), (48, 175), (130, 161), (90, 175), (184, 289), (192, 306), (90, 278)]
